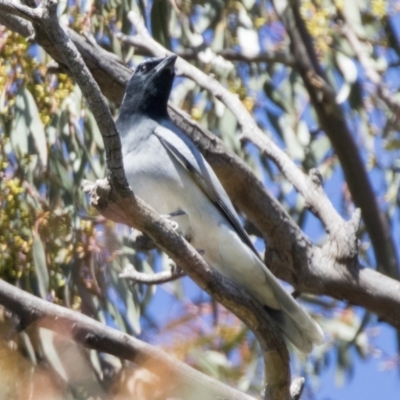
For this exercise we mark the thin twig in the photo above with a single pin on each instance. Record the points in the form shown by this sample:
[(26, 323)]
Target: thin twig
[(151, 279)]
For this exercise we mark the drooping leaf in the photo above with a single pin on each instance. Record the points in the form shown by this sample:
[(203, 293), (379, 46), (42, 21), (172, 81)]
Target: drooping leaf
[(71, 362), (20, 126), (294, 147), (159, 22), (39, 259), (36, 126)]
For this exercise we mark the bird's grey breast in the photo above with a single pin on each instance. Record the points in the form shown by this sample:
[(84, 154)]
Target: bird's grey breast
[(151, 172)]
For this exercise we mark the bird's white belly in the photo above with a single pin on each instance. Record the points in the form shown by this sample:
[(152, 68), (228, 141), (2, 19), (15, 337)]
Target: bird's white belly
[(167, 187)]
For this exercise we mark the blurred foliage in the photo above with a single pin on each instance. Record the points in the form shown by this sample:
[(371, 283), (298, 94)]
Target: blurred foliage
[(53, 245)]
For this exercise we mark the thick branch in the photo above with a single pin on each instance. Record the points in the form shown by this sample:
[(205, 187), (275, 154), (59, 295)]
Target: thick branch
[(177, 378), (17, 24), (19, 10), (357, 285)]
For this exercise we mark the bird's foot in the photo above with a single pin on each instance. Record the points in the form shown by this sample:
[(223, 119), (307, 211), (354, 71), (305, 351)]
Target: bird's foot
[(168, 217)]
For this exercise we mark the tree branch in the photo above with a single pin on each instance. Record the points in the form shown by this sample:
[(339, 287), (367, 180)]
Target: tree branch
[(177, 378), (277, 57), (228, 54), (17, 24), (132, 274), (20, 10)]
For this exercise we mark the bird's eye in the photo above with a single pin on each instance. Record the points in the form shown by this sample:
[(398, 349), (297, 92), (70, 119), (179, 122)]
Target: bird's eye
[(143, 68)]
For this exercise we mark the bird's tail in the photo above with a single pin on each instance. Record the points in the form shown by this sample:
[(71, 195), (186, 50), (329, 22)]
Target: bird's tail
[(303, 337), (295, 323)]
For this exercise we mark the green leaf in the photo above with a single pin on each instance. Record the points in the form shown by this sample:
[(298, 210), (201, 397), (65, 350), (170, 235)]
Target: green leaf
[(39, 260), (71, 362), (132, 309), (211, 362), (348, 69), (294, 148), (93, 130), (303, 134), (65, 177), (352, 12), (320, 146), (62, 6), (116, 46), (275, 95), (159, 22), (28, 347), (20, 126), (228, 128), (36, 127)]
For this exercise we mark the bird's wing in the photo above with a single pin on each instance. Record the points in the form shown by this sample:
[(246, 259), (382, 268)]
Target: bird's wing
[(187, 154)]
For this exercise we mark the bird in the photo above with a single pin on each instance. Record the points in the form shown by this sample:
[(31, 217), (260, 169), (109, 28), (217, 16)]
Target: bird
[(166, 169)]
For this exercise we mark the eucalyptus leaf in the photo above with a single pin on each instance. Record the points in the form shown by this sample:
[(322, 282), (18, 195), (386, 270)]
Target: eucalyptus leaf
[(116, 46), (159, 22), (349, 72), (227, 128), (71, 362), (21, 126), (36, 126), (294, 148), (320, 146), (181, 92), (194, 38), (352, 11), (219, 37), (132, 308), (28, 347), (205, 19), (93, 129), (39, 259), (63, 174), (211, 362)]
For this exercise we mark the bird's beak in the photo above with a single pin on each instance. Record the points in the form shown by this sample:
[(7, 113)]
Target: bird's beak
[(167, 64)]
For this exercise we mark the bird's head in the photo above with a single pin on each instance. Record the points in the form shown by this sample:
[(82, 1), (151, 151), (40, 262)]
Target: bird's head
[(149, 88)]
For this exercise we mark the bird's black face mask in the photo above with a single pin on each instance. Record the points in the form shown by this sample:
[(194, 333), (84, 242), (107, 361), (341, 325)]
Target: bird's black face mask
[(148, 90)]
